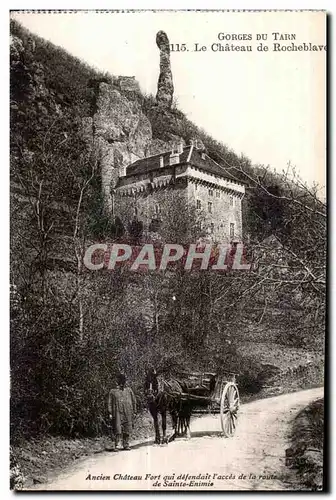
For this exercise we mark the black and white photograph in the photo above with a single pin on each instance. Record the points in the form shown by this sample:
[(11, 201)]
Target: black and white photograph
[(168, 250)]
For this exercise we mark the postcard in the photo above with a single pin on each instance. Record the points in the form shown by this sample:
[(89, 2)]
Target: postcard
[(168, 250)]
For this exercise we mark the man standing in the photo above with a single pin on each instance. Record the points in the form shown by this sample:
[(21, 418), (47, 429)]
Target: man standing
[(122, 408)]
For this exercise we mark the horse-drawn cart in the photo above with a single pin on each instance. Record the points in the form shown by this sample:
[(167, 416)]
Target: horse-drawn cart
[(212, 393), (184, 393)]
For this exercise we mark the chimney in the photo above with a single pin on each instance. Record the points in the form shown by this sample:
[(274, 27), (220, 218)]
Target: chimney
[(119, 163), (161, 162), (199, 145), (122, 171), (174, 158)]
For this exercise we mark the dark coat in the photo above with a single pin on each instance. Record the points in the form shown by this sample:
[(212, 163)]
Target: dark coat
[(122, 407)]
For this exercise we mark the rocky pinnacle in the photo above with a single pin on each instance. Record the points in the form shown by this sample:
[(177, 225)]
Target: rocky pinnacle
[(165, 90)]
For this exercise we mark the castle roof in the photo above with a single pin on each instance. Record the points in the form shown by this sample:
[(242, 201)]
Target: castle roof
[(190, 155)]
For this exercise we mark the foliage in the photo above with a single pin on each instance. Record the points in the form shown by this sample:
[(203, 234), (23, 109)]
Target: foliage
[(306, 453), (66, 77), (16, 477)]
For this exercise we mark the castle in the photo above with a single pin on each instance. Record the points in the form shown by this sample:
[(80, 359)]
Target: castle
[(177, 194), (148, 190)]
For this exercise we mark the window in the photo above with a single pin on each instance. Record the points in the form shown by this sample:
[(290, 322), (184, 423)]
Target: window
[(232, 230), (212, 227), (196, 187), (157, 209), (210, 192), (231, 201), (154, 225), (135, 211), (217, 194), (198, 204), (210, 207)]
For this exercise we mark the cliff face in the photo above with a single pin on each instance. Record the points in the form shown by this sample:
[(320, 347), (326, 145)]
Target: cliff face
[(121, 134), (121, 131)]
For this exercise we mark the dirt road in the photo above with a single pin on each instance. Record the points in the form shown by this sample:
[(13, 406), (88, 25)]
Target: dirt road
[(254, 459)]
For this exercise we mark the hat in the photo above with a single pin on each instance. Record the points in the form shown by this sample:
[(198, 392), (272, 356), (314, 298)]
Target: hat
[(121, 379)]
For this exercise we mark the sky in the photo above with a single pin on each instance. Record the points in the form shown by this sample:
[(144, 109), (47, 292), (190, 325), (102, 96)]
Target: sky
[(268, 105)]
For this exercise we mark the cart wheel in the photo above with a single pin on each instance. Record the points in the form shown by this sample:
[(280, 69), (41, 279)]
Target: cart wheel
[(229, 406)]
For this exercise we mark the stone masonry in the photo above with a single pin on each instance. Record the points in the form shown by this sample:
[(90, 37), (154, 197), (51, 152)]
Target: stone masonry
[(182, 189)]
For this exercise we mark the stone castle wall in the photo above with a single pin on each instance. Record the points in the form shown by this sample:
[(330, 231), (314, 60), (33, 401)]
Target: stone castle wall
[(160, 211), (225, 209), (175, 206)]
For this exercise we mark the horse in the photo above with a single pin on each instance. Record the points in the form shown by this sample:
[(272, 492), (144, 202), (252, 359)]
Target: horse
[(164, 395)]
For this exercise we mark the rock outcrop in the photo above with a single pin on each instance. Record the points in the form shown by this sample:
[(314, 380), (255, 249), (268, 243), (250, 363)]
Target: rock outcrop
[(127, 84), (165, 90), (121, 132)]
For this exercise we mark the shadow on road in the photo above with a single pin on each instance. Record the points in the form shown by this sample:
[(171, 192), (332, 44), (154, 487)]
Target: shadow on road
[(133, 446), (206, 434), (151, 442)]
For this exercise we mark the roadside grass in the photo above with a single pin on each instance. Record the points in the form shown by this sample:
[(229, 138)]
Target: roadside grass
[(306, 452), (34, 461)]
